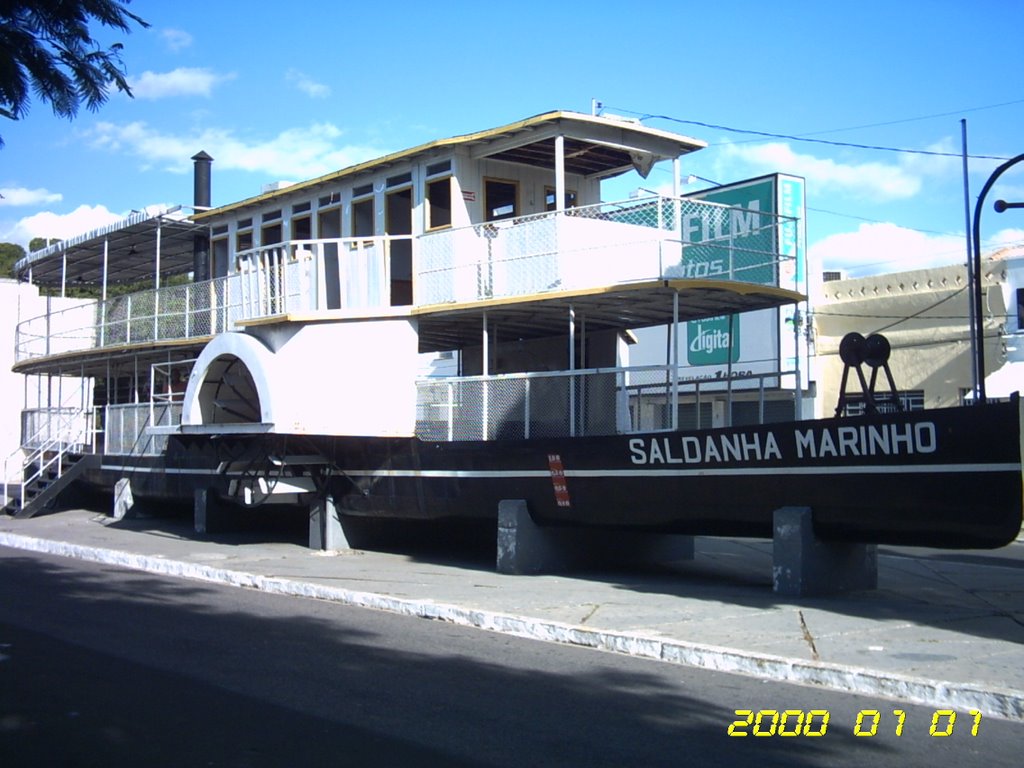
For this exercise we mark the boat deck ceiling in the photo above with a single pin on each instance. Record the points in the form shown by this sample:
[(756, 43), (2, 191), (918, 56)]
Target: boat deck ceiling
[(636, 305), (118, 360), (131, 253), (582, 157)]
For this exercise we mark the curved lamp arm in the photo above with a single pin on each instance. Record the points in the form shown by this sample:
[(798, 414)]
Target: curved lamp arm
[(979, 324)]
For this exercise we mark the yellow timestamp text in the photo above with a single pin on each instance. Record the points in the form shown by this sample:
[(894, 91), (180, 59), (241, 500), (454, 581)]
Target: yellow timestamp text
[(815, 722)]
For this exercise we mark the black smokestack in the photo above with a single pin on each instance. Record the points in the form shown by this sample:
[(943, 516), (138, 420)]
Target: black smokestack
[(201, 195), (201, 200)]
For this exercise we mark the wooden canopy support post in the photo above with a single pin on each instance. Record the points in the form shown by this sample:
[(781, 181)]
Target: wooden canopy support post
[(559, 173)]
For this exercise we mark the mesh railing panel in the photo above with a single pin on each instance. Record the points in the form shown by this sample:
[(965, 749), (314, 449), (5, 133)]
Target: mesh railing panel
[(521, 406), (194, 310), (566, 404), (125, 428), (46, 426)]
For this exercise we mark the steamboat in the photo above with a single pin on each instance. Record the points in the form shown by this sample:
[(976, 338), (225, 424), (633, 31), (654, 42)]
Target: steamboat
[(429, 334)]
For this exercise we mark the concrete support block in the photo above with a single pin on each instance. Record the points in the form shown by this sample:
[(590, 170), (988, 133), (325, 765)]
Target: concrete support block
[(525, 547), (325, 528), (211, 515), (806, 566), (201, 509), (123, 500)]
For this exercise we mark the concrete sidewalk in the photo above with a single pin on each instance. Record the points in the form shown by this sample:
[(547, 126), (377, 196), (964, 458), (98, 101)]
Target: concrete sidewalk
[(944, 629)]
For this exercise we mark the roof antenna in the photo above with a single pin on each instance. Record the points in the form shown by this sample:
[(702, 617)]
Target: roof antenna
[(595, 107)]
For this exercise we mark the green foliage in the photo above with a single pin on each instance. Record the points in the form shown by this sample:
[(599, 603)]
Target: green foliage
[(38, 243), (46, 49), (10, 253)]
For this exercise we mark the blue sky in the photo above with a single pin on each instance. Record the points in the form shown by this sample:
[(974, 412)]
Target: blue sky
[(289, 91)]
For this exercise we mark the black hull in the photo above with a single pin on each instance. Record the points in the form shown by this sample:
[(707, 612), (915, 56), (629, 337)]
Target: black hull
[(945, 478)]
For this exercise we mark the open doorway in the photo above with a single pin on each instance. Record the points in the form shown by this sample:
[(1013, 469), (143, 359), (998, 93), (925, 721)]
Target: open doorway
[(398, 223)]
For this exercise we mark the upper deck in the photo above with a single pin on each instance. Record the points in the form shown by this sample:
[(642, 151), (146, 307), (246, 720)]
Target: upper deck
[(443, 232), (515, 266)]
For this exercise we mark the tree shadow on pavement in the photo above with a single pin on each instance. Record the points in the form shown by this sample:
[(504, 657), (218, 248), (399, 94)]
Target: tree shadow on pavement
[(107, 667)]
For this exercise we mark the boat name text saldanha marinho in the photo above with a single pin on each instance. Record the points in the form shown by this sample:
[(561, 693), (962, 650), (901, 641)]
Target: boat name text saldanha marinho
[(820, 443)]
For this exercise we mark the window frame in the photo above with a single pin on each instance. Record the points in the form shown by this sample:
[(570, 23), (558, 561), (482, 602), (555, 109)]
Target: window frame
[(488, 180), (428, 184), (369, 199), (550, 191)]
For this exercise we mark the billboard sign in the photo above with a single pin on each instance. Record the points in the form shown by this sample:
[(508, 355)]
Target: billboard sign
[(730, 243)]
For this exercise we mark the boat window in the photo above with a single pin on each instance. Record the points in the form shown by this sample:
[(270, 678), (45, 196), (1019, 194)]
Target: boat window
[(399, 180), (439, 203), (302, 228), (437, 168), (329, 223), (1020, 309), (328, 226), (271, 234), (362, 218), (500, 199), (398, 224), (243, 240), (219, 249), (549, 198)]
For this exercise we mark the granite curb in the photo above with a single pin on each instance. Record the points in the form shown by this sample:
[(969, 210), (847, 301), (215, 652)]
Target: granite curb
[(1004, 703)]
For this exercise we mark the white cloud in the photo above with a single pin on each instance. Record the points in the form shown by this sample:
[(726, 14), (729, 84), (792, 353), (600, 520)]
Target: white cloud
[(183, 81), (295, 153), (880, 248), (176, 39), (876, 181), (10, 196), (1005, 238), (62, 226), (307, 85)]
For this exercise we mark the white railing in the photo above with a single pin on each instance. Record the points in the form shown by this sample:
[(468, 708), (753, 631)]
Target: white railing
[(595, 401), (647, 239), (593, 246), (167, 384), (193, 310), (311, 275), (67, 424), (317, 275), (49, 434)]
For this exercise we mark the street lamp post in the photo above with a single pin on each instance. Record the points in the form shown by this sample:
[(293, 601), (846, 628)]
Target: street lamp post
[(979, 321)]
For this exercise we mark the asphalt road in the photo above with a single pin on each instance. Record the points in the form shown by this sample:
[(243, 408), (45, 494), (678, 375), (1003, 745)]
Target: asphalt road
[(106, 667)]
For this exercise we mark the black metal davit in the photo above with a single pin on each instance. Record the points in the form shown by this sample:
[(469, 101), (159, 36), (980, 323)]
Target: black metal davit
[(873, 351)]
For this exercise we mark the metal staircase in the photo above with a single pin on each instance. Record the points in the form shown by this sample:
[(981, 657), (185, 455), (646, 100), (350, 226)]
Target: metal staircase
[(45, 469)]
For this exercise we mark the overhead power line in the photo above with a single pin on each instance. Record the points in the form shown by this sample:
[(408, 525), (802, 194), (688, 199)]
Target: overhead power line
[(876, 147), (806, 139), (916, 119)]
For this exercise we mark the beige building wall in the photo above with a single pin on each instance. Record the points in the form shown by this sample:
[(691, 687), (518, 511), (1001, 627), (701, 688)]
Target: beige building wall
[(925, 315)]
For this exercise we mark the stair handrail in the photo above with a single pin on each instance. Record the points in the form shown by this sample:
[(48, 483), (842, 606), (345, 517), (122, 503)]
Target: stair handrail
[(57, 445)]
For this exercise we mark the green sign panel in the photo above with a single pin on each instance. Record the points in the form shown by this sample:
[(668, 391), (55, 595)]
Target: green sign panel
[(735, 241), (711, 341)]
